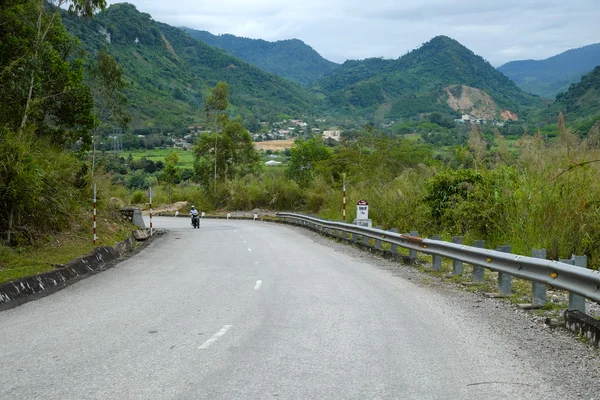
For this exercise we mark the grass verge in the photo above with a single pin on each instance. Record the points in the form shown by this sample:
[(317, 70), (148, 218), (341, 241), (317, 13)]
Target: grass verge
[(56, 250)]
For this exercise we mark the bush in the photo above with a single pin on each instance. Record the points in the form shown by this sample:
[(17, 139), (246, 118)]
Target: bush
[(138, 197)]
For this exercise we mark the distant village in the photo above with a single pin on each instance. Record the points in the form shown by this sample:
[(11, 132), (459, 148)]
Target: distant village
[(283, 130), (292, 128)]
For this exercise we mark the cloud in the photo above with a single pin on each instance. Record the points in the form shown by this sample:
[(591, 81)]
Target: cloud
[(498, 30)]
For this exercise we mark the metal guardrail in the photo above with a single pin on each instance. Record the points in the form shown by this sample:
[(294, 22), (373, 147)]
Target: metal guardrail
[(580, 282)]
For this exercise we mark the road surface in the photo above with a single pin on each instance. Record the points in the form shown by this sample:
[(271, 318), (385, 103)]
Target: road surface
[(252, 310)]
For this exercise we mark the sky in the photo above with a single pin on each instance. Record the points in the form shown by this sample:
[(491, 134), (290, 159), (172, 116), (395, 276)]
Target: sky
[(498, 30)]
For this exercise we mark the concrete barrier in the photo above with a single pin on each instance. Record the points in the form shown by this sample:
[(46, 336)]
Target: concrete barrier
[(583, 325), (99, 259)]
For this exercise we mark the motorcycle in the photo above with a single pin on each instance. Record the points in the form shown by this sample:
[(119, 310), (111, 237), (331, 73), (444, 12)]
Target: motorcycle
[(196, 221)]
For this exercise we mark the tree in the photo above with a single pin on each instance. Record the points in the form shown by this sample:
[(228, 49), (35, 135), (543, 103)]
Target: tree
[(107, 84), (42, 81), (169, 176), (215, 107), (304, 158), (236, 156), (44, 107)]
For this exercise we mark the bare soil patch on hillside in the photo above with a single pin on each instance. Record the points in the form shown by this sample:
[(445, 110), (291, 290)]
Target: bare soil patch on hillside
[(275, 145)]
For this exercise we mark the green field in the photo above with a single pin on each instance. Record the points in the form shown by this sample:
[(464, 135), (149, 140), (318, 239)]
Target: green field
[(186, 158)]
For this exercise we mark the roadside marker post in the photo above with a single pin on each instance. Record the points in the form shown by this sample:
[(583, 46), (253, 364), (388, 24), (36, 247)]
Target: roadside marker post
[(344, 189), (150, 197), (255, 216), (228, 214), (95, 237)]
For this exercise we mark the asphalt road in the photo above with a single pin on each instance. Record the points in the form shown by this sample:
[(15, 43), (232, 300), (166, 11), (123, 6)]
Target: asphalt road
[(251, 310)]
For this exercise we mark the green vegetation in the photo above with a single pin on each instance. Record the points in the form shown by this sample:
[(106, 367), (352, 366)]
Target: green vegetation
[(415, 83), (547, 78), (227, 152), (185, 159), (170, 73), (46, 114), (583, 98), (291, 59)]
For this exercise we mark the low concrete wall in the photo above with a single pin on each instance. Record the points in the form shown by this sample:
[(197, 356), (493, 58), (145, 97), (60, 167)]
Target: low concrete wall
[(24, 287), (583, 325)]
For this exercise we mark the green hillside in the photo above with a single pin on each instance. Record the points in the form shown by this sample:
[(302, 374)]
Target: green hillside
[(424, 81), (582, 100), (170, 73), (291, 59), (549, 77)]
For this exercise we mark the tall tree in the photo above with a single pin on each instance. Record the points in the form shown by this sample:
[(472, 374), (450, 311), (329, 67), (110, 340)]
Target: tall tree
[(43, 104), (107, 84), (215, 108), (41, 81), (236, 156)]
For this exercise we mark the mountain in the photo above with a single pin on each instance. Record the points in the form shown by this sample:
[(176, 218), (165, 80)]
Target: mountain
[(442, 75), (170, 73), (582, 100), (291, 59), (549, 77)]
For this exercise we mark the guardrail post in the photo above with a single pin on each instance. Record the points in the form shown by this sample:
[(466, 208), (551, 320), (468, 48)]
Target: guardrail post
[(504, 279), (577, 302), (378, 241), (354, 237), (365, 240), (413, 253), (457, 266), (538, 289), (394, 246), (478, 271), (436, 261)]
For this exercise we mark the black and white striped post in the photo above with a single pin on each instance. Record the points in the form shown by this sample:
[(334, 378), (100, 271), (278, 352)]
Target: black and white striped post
[(150, 198), (344, 189), (95, 237)]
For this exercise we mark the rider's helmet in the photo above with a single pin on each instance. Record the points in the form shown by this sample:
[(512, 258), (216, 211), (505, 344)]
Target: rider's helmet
[(193, 208)]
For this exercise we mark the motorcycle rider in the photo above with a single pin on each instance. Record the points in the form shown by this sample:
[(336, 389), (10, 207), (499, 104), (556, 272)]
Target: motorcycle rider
[(193, 213)]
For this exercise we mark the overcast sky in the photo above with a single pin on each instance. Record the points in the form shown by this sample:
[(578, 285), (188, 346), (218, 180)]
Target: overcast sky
[(498, 30)]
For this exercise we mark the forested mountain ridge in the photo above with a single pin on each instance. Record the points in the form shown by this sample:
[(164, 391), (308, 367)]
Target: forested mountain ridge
[(553, 75), (422, 81), (582, 100), (291, 59), (170, 73)]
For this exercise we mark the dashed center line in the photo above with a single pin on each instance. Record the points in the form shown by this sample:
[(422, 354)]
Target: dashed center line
[(258, 283), (250, 250), (215, 337), (244, 241)]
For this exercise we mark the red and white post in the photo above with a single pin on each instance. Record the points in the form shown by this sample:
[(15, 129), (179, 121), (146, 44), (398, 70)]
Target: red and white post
[(94, 230), (344, 189), (150, 197)]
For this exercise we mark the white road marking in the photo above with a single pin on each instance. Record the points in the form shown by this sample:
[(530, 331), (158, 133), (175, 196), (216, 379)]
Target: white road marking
[(250, 250), (244, 241), (258, 283), (215, 337)]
